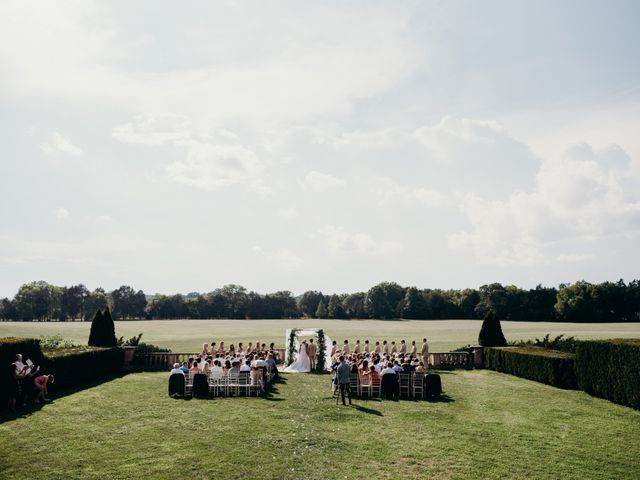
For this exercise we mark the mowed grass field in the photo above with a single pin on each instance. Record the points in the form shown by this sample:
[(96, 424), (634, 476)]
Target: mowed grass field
[(443, 335), (487, 425)]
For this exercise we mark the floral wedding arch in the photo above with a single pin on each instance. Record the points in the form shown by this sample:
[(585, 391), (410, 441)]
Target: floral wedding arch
[(323, 357)]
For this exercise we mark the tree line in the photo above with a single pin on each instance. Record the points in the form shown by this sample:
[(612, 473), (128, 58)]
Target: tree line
[(578, 302)]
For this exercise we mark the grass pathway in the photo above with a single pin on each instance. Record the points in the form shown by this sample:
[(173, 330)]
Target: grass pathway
[(488, 425)]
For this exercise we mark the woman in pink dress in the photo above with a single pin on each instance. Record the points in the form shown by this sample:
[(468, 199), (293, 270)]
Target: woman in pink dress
[(40, 384)]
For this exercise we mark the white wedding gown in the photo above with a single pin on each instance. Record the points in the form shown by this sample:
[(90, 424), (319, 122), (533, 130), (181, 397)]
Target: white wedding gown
[(302, 363)]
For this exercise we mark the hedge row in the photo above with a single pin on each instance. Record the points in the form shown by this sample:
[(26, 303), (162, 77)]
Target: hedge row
[(610, 369), (547, 366), (70, 367), (75, 368)]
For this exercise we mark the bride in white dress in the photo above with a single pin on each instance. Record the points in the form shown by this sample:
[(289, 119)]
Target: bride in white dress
[(302, 363)]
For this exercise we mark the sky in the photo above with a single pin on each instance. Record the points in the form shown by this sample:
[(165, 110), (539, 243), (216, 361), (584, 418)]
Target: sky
[(297, 145)]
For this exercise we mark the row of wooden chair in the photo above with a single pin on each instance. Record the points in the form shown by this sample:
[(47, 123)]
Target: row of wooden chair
[(406, 385), (220, 385)]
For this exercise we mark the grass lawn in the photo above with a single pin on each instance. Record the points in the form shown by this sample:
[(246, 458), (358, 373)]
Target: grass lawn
[(488, 425), (189, 335)]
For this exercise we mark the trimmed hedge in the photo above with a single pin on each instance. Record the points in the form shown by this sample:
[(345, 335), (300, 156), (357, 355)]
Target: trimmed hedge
[(73, 368), (70, 366), (610, 369), (542, 365), (28, 347)]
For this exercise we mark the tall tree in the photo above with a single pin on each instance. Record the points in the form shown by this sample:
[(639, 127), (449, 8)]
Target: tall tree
[(102, 333)]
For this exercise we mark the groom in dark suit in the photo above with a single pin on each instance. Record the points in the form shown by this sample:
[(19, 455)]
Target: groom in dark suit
[(344, 380)]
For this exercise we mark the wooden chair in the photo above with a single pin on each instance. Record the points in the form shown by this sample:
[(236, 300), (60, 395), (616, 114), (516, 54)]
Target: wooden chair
[(244, 383), (418, 385), (354, 384), (404, 380), (365, 386), (188, 384), (375, 388)]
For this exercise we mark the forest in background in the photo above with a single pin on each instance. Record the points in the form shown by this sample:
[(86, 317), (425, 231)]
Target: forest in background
[(578, 302)]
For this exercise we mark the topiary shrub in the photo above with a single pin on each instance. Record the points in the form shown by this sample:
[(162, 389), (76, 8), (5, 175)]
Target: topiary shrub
[(491, 332), (539, 364), (610, 369), (103, 332)]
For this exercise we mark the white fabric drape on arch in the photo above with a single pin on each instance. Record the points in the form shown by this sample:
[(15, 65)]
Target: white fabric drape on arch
[(309, 332)]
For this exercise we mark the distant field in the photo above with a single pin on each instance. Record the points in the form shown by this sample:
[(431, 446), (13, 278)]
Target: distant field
[(443, 335)]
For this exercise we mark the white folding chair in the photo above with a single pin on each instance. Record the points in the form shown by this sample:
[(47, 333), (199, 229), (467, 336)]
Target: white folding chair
[(418, 385)]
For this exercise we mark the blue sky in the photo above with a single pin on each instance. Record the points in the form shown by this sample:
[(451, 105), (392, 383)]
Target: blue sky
[(333, 145)]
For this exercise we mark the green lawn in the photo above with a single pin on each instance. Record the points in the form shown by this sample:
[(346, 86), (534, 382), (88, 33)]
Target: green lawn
[(489, 425), (189, 335)]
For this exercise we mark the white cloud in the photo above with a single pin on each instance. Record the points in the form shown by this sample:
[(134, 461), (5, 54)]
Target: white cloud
[(390, 190), (283, 259), (296, 63), (584, 195), (320, 182), (339, 240), (155, 128), (61, 213), (211, 167), (58, 145), (289, 212)]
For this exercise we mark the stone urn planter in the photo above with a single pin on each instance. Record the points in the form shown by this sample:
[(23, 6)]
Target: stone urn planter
[(129, 353)]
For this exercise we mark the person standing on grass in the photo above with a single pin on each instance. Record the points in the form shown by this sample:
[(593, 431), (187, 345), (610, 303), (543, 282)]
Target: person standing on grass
[(312, 350), (344, 380), (425, 353)]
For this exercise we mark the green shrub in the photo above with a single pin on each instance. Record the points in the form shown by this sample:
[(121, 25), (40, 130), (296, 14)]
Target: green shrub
[(542, 365), (75, 366), (610, 369), (103, 331), (491, 332)]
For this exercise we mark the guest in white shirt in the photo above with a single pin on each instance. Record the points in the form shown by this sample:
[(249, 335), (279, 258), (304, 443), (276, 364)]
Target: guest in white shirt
[(246, 366), (389, 370), (176, 369)]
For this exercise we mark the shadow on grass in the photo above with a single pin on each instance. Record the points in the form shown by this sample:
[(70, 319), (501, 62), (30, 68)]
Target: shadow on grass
[(443, 398), (30, 408), (370, 411)]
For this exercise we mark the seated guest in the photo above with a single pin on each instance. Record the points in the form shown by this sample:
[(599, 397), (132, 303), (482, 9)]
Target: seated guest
[(389, 370), (185, 367), (207, 367), (177, 369), (354, 368), (227, 366), (217, 368), (40, 383), (420, 368), (246, 365), (235, 368), (397, 367), (194, 368), (375, 376)]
